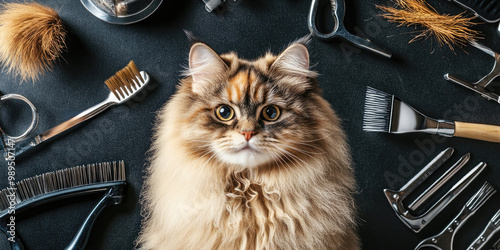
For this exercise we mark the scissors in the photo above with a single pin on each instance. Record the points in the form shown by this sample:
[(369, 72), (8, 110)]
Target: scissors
[(8, 139), (339, 30)]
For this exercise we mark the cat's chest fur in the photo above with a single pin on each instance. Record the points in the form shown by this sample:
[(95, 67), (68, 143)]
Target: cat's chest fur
[(244, 193), (259, 212)]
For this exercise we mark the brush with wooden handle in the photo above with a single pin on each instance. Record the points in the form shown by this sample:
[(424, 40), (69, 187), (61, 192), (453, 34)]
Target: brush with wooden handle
[(387, 113), (123, 85)]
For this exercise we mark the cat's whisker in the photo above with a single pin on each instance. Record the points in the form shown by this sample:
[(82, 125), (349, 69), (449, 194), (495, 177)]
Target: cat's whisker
[(302, 143), (291, 160), (308, 153), (283, 142), (302, 151), (273, 156), (296, 159)]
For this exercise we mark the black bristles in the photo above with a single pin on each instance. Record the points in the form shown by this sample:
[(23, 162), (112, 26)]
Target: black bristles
[(377, 115), (62, 179)]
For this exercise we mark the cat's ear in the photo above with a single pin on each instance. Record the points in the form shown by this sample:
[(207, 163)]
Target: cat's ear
[(294, 61), (204, 66)]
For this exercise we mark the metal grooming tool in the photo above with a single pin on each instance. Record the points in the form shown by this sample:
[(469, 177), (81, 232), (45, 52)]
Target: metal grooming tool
[(486, 10), (34, 120), (418, 222), (124, 85), (496, 246), (481, 86), (444, 240), (339, 30), (211, 5), (121, 11), (440, 182), (491, 228)]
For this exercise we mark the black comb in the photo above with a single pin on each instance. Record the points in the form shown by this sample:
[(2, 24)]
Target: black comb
[(487, 10)]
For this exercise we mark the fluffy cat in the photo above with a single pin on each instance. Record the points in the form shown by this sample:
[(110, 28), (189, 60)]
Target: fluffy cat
[(248, 155)]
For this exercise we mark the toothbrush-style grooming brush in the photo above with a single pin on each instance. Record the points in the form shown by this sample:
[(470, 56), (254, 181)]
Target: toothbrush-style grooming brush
[(387, 113), (123, 85), (107, 178)]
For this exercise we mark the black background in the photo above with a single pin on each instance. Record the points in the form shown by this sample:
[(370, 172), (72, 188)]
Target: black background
[(96, 50)]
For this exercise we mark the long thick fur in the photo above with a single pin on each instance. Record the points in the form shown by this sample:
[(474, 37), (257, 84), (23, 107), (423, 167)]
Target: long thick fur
[(301, 200)]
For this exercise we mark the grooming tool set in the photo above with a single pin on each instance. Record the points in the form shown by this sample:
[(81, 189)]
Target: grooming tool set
[(123, 86), (417, 222), (481, 86), (387, 113), (339, 30), (107, 178)]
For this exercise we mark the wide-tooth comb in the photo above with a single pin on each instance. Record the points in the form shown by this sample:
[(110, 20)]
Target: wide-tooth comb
[(123, 86)]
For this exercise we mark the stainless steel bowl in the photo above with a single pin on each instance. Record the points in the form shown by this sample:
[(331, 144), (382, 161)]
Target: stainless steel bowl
[(121, 11)]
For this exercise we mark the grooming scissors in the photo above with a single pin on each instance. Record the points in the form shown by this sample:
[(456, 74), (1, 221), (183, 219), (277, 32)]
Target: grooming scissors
[(8, 139), (339, 30)]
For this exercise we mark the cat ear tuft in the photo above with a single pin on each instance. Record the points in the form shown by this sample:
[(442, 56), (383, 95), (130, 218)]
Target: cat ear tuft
[(191, 37), (293, 61), (204, 66)]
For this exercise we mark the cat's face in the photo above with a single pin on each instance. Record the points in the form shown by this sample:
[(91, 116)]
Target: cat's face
[(251, 114)]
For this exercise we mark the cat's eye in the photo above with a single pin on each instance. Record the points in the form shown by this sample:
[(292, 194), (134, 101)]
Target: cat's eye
[(271, 113), (224, 113)]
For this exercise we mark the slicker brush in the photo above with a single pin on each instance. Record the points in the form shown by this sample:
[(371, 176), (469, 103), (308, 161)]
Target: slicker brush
[(32, 37)]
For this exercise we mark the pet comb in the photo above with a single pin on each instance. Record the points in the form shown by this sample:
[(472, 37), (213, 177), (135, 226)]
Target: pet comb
[(107, 178), (123, 85)]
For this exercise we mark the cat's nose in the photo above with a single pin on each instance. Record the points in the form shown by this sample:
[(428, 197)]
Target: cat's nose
[(248, 134)]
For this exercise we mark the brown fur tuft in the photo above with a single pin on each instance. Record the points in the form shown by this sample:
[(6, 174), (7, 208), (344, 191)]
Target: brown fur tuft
[(450, 30), (31, 39)]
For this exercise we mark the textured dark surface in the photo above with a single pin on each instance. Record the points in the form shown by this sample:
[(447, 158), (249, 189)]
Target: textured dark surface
[(96, 50)]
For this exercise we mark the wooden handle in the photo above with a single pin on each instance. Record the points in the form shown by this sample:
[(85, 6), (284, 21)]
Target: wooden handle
[(477, 131)]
